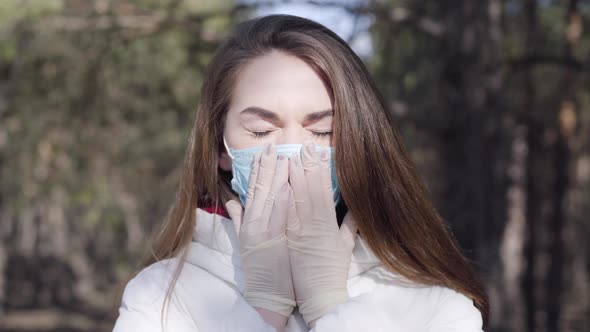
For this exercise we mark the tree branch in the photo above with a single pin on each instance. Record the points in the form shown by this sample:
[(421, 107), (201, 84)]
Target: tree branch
[(545, 59)]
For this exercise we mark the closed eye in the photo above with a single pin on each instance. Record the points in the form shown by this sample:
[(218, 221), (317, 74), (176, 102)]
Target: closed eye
[(260, 134)]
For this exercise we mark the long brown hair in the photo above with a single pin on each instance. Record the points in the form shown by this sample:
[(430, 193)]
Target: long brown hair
[(377, 179)]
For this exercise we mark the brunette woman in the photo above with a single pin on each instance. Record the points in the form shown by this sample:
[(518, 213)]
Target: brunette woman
[(299, 207)]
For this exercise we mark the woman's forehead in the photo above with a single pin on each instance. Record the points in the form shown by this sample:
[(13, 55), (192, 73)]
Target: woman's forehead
[(279, 82)]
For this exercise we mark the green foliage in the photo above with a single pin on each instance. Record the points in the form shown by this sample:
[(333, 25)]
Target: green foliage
[(95, 117)]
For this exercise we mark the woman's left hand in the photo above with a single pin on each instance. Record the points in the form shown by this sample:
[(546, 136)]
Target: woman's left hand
[(261, 229), (319, 251)]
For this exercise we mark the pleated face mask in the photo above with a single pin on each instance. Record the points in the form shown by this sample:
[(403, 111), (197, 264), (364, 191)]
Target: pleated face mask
[(242, 166)]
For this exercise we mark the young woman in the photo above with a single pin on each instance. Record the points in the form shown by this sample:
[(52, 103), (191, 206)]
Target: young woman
[(299, 207)]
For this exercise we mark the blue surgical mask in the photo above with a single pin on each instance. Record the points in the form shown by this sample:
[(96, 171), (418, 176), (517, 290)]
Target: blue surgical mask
[(242, 166)]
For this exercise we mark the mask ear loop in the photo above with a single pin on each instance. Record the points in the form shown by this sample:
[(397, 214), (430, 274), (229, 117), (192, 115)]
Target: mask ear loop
[(227, 149)]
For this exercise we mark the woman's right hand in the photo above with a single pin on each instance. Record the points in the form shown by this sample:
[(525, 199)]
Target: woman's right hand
[(261, 229)]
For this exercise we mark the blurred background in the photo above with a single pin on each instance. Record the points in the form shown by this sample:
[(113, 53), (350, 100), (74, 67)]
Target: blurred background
[(97, 99)]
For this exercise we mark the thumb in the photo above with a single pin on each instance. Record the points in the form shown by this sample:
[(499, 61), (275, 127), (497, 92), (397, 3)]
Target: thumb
[(348, 229), (235, 211)]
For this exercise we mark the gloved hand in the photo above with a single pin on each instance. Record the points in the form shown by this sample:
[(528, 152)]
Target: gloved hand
[(261, 229), (319, 251)]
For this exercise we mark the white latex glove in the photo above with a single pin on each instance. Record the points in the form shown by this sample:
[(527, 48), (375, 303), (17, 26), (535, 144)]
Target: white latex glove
[(261, 229), (319, 251)]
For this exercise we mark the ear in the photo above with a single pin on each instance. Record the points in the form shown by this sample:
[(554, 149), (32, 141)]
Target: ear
[(224, 161)]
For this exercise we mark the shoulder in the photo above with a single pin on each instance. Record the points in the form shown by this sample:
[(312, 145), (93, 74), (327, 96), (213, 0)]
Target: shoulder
[(150, 283), (439, 308), (199, 301), (454, 311), (143, 301), (412, 306)]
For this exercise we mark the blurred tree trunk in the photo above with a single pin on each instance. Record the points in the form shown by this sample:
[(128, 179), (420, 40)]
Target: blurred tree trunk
[(472, 149), (534, 162), (565, 123), (549, 125), (3, 222)]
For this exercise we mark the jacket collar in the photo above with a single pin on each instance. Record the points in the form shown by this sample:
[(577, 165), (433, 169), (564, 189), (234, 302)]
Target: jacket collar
[(215, 248)]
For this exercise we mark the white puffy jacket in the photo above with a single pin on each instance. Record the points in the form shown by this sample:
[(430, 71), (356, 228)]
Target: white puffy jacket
[(208, 296)]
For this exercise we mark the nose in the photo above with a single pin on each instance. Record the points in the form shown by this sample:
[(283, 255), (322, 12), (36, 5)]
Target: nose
[(291, 135)]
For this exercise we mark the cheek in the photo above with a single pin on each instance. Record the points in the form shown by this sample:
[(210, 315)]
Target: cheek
[(241, 138), (224, 161), (234, 133)]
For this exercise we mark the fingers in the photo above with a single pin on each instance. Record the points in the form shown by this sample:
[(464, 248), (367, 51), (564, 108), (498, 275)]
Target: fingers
[(298, 185), (310, 190), (280, 211), (264, 178), (326, 175), (348, 230), (235, 211), (311, 166), (267, 176), (281, 177), (253, 179), (293, 229)]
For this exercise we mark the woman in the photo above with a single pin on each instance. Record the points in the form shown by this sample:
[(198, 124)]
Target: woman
[(292, 151)]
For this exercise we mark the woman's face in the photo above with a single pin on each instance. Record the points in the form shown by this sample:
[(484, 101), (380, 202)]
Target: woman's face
[(277, 98)]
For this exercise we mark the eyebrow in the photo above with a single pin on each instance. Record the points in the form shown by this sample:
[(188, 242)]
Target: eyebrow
[(274, 118)]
